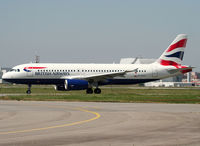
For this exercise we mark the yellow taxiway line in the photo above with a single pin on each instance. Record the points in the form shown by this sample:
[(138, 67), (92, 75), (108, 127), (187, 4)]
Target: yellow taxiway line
[(97, 116)]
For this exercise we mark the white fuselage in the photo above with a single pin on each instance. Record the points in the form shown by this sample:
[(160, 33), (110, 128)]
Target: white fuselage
[(85, 76), (39, 73)]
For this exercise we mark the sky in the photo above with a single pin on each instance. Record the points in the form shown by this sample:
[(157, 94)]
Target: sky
[(95, 31)]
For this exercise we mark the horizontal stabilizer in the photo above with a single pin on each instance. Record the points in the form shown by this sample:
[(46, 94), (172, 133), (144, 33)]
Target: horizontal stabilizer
[(183, 70)]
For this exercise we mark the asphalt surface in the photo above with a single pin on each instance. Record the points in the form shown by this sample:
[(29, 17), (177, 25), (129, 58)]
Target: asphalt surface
[(29, 123)]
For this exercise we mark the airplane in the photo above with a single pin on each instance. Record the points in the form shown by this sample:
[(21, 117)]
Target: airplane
[(67, 77)]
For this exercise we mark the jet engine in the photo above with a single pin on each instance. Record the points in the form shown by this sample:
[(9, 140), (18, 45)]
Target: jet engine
[(72, 84)]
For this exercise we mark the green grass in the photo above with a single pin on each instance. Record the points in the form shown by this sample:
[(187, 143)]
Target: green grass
[(145, 95)]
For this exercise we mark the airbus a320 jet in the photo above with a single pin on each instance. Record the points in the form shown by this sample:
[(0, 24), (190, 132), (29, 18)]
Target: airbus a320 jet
[(88, 76)]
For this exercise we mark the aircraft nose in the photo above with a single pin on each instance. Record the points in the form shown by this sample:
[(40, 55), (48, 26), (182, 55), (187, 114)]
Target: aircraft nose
[(6, 76)]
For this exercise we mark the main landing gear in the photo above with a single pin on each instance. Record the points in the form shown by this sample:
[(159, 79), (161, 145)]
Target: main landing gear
[(29, 89), (89, 91), (96, 91)]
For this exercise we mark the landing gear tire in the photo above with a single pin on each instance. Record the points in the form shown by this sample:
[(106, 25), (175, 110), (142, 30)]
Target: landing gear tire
[(28, 91), (89, 91), (97, 91)]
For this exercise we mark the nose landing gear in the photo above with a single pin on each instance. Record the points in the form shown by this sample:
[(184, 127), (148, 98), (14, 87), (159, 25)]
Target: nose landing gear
[(29, 89)]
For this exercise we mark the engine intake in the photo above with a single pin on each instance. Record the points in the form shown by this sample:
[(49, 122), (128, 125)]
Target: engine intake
[(72, 84)]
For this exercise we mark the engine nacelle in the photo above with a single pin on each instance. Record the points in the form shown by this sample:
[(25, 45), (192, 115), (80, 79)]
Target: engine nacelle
[(76, 84), (60, 87), (72, 84)]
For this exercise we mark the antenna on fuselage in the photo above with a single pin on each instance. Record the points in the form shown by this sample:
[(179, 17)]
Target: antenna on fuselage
[(37, 59)]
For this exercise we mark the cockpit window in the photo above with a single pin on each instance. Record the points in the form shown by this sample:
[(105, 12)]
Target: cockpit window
[(14, 70)]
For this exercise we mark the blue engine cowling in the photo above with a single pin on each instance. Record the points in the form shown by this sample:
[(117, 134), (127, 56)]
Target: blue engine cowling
[(72, 84), (76, 84)]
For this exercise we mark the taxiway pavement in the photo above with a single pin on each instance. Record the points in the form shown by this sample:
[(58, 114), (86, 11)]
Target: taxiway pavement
[(31, 123)]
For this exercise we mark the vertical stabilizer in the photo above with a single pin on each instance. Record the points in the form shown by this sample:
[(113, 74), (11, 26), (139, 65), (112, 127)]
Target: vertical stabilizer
[(173, 55)]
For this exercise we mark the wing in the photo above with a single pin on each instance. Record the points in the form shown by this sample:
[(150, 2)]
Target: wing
[(100, 76)]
